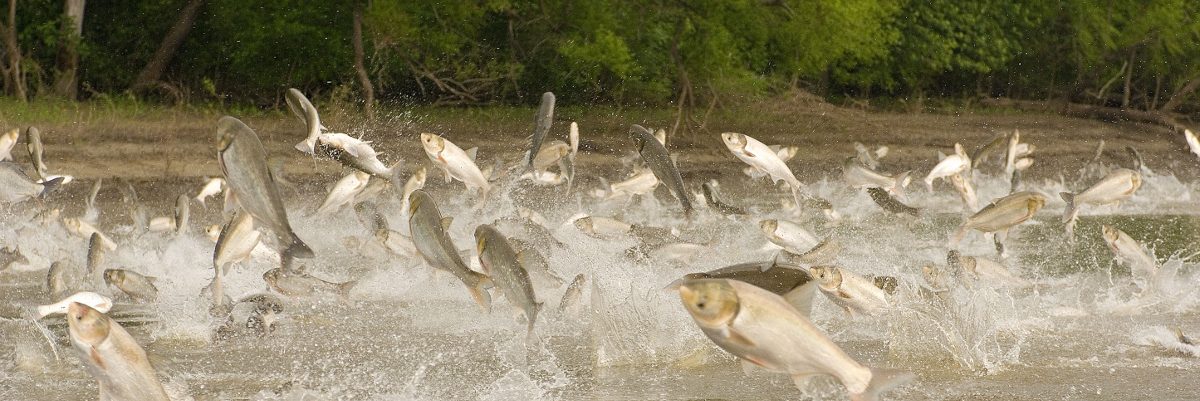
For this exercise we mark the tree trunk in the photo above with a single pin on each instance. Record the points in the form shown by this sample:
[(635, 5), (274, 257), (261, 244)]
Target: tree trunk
[(1129, 80), (1177, 98), (67, 79), (360, 65), (14, 78), (154, 69)]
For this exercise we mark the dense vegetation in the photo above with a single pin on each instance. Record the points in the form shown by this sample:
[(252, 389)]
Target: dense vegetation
[(1128, 54)]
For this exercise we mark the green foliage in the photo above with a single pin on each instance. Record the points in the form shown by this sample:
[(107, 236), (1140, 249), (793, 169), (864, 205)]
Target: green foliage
[(640, 51)]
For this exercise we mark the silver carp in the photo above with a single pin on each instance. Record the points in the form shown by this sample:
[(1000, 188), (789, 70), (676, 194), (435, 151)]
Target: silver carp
[(112, 357), (655, 155), (429, 235), (502, 264)]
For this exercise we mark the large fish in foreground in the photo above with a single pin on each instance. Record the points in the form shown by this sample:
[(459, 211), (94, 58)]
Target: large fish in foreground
[(759, 156), (112, 357), (655, 155), (762, 329), (502, 264), (433, 243), (541, 125), (243, 162)]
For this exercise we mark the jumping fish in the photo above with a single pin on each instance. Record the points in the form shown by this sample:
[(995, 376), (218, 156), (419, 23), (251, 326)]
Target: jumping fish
[(951, 165), (1192, 143), (788, 235), (551, 154), (655, 155), (294, 283), (982, 152), (182, 213), (1002, 214), (1125, 248), (643, 181), (455, 162), (966, 191), (254, 314), (354, 153), (534, 263), (890, 204), (501, 263), (764, 330), (414, 182), (137, 213), (243, 162), (759, 156), (568, 164), (854, 293), (112, 357), (1115, 187), (860, 176), (435, 246), (82, 229), (33, 144), (7, 141), (91, 213), (541, 125), (137, 286), (305, 110), (985, 270), (573, 295), (95, 254), (602, 227), (343, 192)]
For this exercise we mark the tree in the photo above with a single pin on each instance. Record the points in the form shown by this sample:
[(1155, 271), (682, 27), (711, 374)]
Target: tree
[(152, 73), (14, 77), (360, 67), (66, 81)]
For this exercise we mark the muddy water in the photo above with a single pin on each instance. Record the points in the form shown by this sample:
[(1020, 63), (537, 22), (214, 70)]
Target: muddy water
[(1082, 332)]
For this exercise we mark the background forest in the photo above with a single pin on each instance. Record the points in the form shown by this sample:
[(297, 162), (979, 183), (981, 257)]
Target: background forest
[(1123, 56)]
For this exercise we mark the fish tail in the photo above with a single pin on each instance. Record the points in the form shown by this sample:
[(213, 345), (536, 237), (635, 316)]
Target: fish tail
[(798, 196), (1072, 209), (298, 249), (50, 186), (480, 294), (533, 316), (882, 380)]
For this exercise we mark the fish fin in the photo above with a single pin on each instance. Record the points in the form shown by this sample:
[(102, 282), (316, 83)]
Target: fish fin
[(801, 379), (449, 178), (748, 153), (298, 249), (531, 319), (738, 338), (480, 294), (50, 186), (843, 294), (802, 296), (446, 222), (882, 380), (1072, 209), (472, 152), (344, 289)]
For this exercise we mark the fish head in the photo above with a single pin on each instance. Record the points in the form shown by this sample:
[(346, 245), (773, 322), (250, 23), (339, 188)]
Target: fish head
[(415, 201), (432, 143), (734, 141), (87, 325), (213, 232), (482, 234), (711, 302), (1111, 234), (1035, 202), (827, 276), (419, 176), (114, 276), (769, 226), (225, 133), (585, 224)]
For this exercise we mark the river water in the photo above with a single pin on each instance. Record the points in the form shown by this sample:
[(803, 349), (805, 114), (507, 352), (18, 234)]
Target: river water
[(405, 333)]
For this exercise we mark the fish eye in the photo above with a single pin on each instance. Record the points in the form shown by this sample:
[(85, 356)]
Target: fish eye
[(700, 305)]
